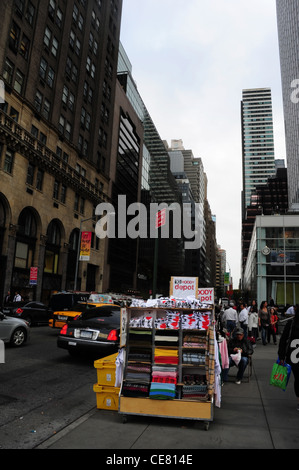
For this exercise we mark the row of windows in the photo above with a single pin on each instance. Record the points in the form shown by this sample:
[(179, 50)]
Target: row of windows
[(35, 178)]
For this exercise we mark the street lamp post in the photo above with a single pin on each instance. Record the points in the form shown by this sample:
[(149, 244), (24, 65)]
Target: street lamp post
[(78, 250)]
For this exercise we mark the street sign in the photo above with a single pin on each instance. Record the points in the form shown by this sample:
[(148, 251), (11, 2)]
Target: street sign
[(33, 276), (160, 218), (85, 246)]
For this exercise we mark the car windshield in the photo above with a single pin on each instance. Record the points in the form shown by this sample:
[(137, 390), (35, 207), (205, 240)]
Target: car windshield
[(103, 313)]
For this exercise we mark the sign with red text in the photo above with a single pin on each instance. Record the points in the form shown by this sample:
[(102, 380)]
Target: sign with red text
[(206, 295), (161, 218), (33, 276), (85, 246), (183, 287)]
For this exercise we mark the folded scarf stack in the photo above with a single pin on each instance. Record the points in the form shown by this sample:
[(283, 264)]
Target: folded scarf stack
[(162, 391), (164, 374), (137, 379), (142, 337), (166, 340), (132, 389), (166, 356), (194, 358), (194, 391), (193, 341)]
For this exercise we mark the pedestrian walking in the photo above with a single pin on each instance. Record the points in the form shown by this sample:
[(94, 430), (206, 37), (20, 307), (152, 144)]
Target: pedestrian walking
[(243, 319), (231, 318), (289, 347), (253, 321), (264, 321), (17, 297), (272, 330), (8, 298)]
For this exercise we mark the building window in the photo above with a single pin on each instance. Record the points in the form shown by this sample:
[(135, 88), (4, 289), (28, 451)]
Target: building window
[(20, 6), (19, 81), (30, 174), (38, 101), (46, 109), (47, 36), (52, 248), (8, 161), (30, 13), (39, 179), (56, 190), (46, 72), (82, 205), (8, 71), (24, 48), (14, 37), (76, 203), (14, 114), (63, 194)]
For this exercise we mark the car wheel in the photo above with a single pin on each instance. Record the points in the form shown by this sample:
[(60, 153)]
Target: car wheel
[(18, 337)]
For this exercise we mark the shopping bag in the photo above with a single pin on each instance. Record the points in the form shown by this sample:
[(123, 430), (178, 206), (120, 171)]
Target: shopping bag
[(236, 357), (280, 375)]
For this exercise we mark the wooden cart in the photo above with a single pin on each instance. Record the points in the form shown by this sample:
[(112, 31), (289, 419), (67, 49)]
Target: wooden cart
[(185, 405)]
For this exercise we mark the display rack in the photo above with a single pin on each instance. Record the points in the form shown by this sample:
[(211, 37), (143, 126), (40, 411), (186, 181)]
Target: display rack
[(169, 368)]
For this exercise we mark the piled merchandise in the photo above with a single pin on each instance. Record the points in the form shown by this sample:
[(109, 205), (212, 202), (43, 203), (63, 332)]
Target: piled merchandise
[(137, 375), (195, 320), (194, 358), (194, 341), (164, 380), (166, 356)]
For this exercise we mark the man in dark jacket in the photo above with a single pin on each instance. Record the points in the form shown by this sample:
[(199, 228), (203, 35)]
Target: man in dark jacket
[(238, 343)]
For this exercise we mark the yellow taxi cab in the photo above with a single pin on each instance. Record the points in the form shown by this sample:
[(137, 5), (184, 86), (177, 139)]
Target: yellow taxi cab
[(61, 317)]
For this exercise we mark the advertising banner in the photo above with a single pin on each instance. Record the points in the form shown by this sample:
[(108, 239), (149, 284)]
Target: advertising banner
[(33, 276), (183, 287), (206, 295), (85, 246), (160, 218)]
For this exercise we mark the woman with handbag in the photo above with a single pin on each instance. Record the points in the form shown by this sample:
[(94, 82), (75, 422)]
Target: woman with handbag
[(264, 321), (288, 349)]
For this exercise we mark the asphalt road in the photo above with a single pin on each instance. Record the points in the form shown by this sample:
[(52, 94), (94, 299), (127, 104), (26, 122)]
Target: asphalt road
[(42, 390)]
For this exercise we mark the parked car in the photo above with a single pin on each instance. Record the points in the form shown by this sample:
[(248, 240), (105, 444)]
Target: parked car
[(61, 316), (34, 313), (95, 331), (13, 330)]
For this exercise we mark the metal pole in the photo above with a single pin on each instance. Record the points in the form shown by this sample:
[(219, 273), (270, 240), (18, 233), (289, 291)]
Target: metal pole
[(78, 251), (155, 266), (78, 255)]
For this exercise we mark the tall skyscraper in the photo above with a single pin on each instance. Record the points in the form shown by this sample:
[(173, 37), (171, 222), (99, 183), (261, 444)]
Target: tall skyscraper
[(288, 34), (258, 160), (257, 141)]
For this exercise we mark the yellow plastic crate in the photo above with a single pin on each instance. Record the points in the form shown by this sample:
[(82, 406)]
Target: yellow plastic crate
[(106, 368), (107, 397)]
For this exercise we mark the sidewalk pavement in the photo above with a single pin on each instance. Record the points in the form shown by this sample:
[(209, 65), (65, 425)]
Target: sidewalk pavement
[(253, 415)]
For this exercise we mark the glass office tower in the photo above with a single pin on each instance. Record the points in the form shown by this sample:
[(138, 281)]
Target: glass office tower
[(257, 140), (288, 34)]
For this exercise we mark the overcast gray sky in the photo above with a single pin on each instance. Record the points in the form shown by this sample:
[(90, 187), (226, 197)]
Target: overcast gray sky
[(191, 60)]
